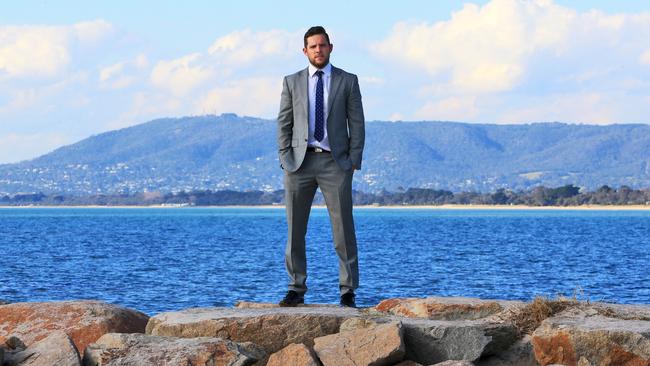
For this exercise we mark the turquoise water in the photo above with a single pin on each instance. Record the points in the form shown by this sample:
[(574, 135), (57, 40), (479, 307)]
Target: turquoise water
[(158, 259)]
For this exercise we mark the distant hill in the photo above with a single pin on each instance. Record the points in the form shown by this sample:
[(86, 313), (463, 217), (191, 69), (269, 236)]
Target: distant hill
[(239, 153)]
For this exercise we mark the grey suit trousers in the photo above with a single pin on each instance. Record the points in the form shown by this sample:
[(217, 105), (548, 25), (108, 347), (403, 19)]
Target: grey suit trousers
[(320, 170)]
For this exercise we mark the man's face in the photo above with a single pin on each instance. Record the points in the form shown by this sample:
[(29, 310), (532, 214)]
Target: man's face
[(318, 50)]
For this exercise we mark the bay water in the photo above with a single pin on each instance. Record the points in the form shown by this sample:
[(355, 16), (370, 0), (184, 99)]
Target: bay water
[(160, 259)]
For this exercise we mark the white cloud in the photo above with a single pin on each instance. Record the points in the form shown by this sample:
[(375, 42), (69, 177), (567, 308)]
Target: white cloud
[(247, 46), (498, 46), (253, 97), (26, 97), (44, 51), (509, 52), (231, 61), (111, 71), (481, 49), (122, 74), (181, 75), (33, 51)]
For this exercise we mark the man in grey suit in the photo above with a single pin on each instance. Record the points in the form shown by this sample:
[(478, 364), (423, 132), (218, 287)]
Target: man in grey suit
[(320, 140)]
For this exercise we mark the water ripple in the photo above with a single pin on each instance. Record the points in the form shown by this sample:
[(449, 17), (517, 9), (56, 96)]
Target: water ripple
[(167, 259)]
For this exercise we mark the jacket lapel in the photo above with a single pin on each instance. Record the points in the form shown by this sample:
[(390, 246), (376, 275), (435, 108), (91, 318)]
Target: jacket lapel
[(303, 89), (335, 82)]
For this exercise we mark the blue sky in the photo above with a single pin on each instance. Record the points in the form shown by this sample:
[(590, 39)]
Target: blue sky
[(70, 69)]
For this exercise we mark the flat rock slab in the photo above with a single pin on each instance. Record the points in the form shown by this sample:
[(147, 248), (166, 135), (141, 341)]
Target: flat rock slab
[(115, 349), (379, 345), (445, 308), (266, 305), (83, 321), (270, 328), (623, 311), (55, 349), (585, 337)]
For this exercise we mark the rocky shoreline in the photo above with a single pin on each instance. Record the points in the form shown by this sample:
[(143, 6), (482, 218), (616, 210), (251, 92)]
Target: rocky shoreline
[(405, 332)]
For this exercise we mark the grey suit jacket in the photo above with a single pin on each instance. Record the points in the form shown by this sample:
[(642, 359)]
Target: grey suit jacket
[(345, 121)]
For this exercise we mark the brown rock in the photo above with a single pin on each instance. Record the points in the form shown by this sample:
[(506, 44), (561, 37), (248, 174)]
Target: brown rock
[(357, 323), (381, 345), (293, 355), (83, 321), (115, 349), (56, 349), (444, 308), (270, 328), (584, 336)]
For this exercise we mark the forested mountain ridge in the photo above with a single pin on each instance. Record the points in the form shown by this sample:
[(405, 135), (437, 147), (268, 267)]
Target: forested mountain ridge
[(239, 153)]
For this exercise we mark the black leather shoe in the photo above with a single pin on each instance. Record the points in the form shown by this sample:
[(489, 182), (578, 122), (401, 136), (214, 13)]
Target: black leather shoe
[(347, 300), (292, 298)]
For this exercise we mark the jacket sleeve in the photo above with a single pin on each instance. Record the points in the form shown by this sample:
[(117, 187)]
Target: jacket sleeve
[(285, 119), (356, 124)]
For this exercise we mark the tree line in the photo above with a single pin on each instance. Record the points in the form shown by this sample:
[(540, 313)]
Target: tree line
[(568, 195)]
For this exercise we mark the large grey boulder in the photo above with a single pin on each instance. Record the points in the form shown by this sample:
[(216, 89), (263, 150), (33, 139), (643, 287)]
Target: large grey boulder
[(430, 341), (434, 341), (519, 354), (115, 349), (55, 349), (437, 329), (270, 328)]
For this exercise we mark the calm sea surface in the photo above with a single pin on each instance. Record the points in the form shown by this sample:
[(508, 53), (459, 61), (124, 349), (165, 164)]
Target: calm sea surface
[(171, 258)]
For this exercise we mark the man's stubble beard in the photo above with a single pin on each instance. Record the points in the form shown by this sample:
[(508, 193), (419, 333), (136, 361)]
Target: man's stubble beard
[(319, 66)]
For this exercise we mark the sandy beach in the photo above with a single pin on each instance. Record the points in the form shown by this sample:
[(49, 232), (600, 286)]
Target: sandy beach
[(394, 207)]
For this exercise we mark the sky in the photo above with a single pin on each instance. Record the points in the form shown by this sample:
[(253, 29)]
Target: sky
[(70, 69)]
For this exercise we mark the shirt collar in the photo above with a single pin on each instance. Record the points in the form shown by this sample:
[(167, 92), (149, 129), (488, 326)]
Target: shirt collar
[(326, 70)]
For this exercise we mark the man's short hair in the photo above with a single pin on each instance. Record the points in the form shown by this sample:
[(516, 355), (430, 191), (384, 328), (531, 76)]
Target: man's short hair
[(314, 31)]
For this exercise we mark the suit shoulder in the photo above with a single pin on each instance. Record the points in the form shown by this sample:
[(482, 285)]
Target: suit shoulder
[(295, 75), (345, 73)]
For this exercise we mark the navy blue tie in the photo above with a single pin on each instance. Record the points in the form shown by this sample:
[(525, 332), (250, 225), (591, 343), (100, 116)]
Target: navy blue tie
[(319, 130)]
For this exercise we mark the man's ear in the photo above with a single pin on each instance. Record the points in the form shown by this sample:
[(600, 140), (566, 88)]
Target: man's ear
[(331, 47), (304, 51)]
